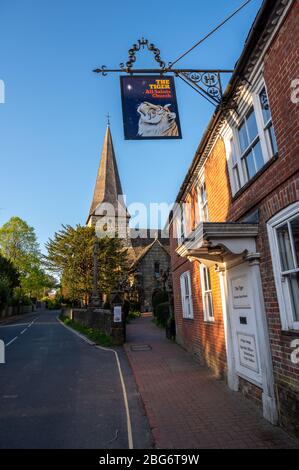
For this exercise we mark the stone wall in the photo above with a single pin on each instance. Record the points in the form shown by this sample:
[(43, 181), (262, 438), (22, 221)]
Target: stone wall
[(8, 312), (98, 319)]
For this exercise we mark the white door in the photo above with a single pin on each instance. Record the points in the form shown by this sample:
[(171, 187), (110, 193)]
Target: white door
[(243, 324)]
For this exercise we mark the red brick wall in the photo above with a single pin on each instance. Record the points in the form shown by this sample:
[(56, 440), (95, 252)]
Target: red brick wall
[(205, 340), (276, 187), (217, 184), (274, 190)]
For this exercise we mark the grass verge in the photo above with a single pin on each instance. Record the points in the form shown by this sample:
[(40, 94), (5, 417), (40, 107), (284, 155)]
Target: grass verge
[(94, 335)]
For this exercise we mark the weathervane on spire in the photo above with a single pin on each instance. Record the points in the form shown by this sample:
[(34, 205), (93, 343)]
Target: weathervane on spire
[(108, 119)]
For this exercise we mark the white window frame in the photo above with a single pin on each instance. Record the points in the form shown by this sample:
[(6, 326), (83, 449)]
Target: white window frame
[(186, 295), (180, 223), (208, 314), (232, 135), (262, 127), (282, 286), (202, 205)]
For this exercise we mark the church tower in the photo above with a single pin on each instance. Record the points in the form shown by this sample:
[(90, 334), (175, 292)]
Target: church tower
[(147, 249), (108, 190)]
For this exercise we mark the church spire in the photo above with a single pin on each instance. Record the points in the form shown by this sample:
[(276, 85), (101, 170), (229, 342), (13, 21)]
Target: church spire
[(108, 186)]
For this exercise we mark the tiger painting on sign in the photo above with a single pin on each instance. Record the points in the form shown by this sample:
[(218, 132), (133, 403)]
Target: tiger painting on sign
[(156, 121)]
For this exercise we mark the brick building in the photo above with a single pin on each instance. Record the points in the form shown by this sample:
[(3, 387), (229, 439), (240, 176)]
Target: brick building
[(235, 227)]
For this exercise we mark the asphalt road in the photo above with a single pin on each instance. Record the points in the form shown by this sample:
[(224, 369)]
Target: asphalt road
[(58, 392)]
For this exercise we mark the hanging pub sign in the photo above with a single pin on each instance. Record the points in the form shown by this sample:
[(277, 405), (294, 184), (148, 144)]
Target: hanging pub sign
[(150, 108)]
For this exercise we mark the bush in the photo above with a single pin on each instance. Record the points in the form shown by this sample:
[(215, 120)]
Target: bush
[(26, 300), (162, 314), (4, 291), (159, 297), (133, 315), (19, 298), (52, 304)]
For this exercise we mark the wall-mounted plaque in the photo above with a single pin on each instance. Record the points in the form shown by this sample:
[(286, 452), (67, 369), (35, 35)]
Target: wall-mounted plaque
[(240, 293), (117, 314), (248, 352)]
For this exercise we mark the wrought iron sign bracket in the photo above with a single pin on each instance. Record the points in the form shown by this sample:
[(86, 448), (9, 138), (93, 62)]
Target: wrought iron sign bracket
[(206, 82)]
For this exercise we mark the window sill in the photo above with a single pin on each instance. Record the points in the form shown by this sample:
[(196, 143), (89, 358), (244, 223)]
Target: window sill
[(255, 177), (188, 319), (290, 333)]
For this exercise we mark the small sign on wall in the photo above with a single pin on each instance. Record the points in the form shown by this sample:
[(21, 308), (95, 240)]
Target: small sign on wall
[(240, 292), (248, 352), (117, 314)]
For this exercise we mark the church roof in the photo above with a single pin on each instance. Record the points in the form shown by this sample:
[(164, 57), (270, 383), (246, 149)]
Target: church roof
[(140, 254), (108, 185), (146, 238)]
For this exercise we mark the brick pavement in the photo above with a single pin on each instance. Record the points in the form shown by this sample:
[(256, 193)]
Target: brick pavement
[(186, 405)]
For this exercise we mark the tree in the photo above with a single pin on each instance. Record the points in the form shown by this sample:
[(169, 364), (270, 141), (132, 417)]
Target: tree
[(37, 282), (18, 244), (70, 255), (9, 279)]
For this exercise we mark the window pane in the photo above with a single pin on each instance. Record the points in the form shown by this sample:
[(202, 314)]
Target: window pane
[(285, 249), (186, 286), (237, 178), (294, 291), (203, 193), (233, 152), (258, 156), (252, 126), (157, 268), (204, 273), (244, 142), (250, 167), (273, 140), (209, 305), (210, 302), (295, 232), (265, 106), (208, 279)]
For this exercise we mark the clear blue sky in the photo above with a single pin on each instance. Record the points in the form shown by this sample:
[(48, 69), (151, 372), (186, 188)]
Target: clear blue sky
[(53, 122)]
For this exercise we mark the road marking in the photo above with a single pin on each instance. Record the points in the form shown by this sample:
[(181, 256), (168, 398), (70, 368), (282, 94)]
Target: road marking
[(11, 341), (129, 426), (123, 385), (22, 332), (13, 325)]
